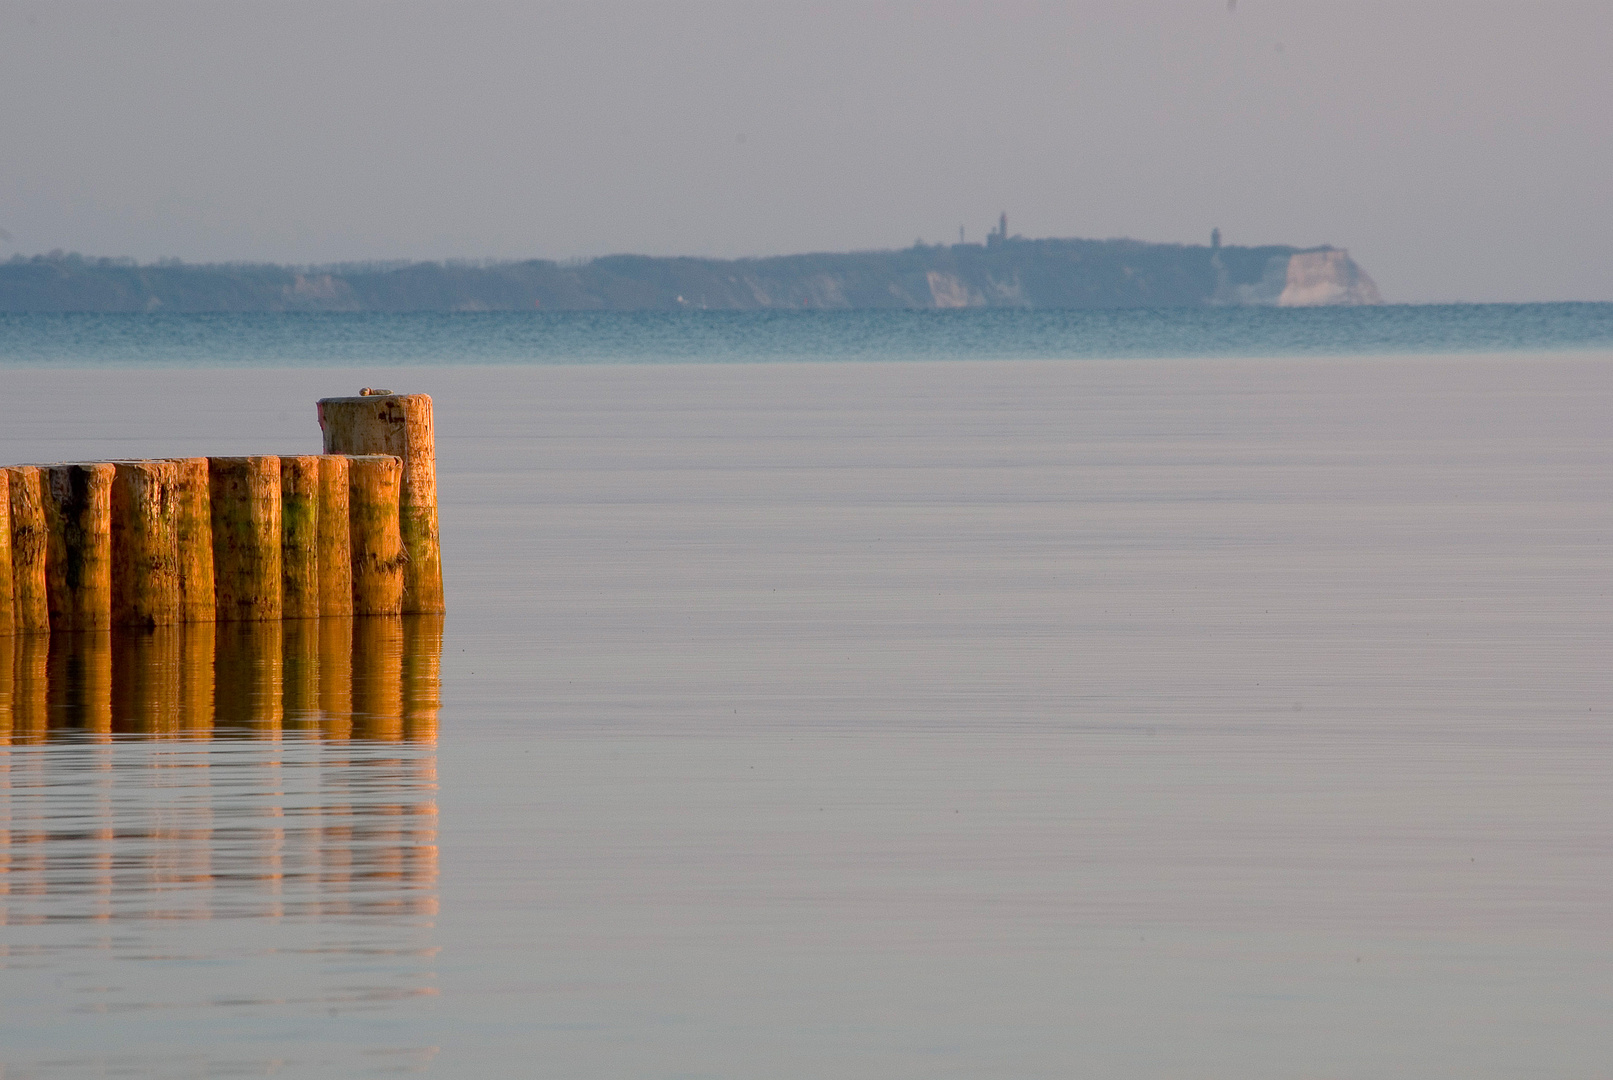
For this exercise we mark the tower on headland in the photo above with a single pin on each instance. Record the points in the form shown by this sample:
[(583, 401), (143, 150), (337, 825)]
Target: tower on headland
[(1215, 239), (1000, 233)]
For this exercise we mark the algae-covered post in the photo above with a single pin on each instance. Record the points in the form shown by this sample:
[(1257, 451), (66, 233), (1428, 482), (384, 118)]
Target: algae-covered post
[(335, 539), (193, 533), (8, 623), (145, 545), (400, 425), (31, 607), (78, 546), (299, 536), (246, 537), (378, 555)]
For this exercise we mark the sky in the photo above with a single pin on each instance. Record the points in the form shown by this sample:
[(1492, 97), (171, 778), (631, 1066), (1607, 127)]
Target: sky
[(1459, 150)]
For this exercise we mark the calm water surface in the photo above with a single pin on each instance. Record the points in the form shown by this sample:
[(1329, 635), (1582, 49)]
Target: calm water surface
[(1199, 718)]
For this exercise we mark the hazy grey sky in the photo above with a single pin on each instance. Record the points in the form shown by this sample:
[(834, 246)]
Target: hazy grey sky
[(1459, 150)]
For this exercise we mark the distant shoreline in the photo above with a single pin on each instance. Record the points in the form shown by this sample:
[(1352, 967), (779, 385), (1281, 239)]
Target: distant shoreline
[(1007, 272)]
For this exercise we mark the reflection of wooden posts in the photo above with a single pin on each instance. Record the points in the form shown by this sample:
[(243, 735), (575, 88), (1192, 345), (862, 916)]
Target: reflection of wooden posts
[(197, 648), (147, 681), (8, 621), (193, 534), (79, 682), (30, 603), (145, 548), (249, 673), (335, 538), (336, 677), (300, 663), (78, 548), (246, 537), (299, 536), (30, 705), (378, 556), (400, 425), (378, 677), (422, 675), (8, 676)]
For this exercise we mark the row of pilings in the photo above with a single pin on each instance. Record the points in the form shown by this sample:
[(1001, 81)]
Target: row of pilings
[(88, 546)]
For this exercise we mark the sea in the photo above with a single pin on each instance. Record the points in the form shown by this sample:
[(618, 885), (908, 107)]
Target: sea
[(1212, 693)]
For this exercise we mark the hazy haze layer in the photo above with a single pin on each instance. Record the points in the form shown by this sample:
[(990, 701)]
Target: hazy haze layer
[(1458, 150)]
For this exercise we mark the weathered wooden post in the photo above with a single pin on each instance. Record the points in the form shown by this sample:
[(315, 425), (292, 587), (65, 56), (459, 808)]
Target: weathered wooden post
[(145, 544), (378, 553), (78, 549), (335, 539), (245, 494), (31, 606), (193, 530), (400, 425), (299, 536), (8, 619)]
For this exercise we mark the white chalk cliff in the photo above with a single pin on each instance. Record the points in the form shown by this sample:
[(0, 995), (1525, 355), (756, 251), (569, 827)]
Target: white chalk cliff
[(1325, 277)]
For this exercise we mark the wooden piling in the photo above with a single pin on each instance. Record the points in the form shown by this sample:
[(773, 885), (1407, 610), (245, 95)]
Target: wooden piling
[(31, 606), (145, 544), (8, 620), (78, 547), (245, 498), (193, 532), (378, 555), (299, 536), (335, 539), (400, 425)]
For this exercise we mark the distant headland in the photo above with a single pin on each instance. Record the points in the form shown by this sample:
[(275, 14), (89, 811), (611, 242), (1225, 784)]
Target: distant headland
[(1004, 272)]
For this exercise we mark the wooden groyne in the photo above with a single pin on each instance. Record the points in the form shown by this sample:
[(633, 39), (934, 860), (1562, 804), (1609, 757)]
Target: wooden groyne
[(89, 546)]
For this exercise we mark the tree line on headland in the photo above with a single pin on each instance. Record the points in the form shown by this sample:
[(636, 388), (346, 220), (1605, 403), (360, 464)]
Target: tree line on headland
[(1006, 272)]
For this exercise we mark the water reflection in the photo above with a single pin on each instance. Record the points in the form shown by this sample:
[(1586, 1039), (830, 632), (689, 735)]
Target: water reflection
[(365, 678), (278, 779)]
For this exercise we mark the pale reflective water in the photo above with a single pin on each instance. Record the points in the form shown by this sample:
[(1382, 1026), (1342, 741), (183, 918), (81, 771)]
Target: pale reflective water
[(1209, 718)]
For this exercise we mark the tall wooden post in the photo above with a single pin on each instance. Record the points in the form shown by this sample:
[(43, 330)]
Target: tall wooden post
[(335, 539), (8, 619), (145, 545), (400, 425), (193, 532), (299, 536), (78, 548), (246, 538), (28, 533), (378, 555)]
